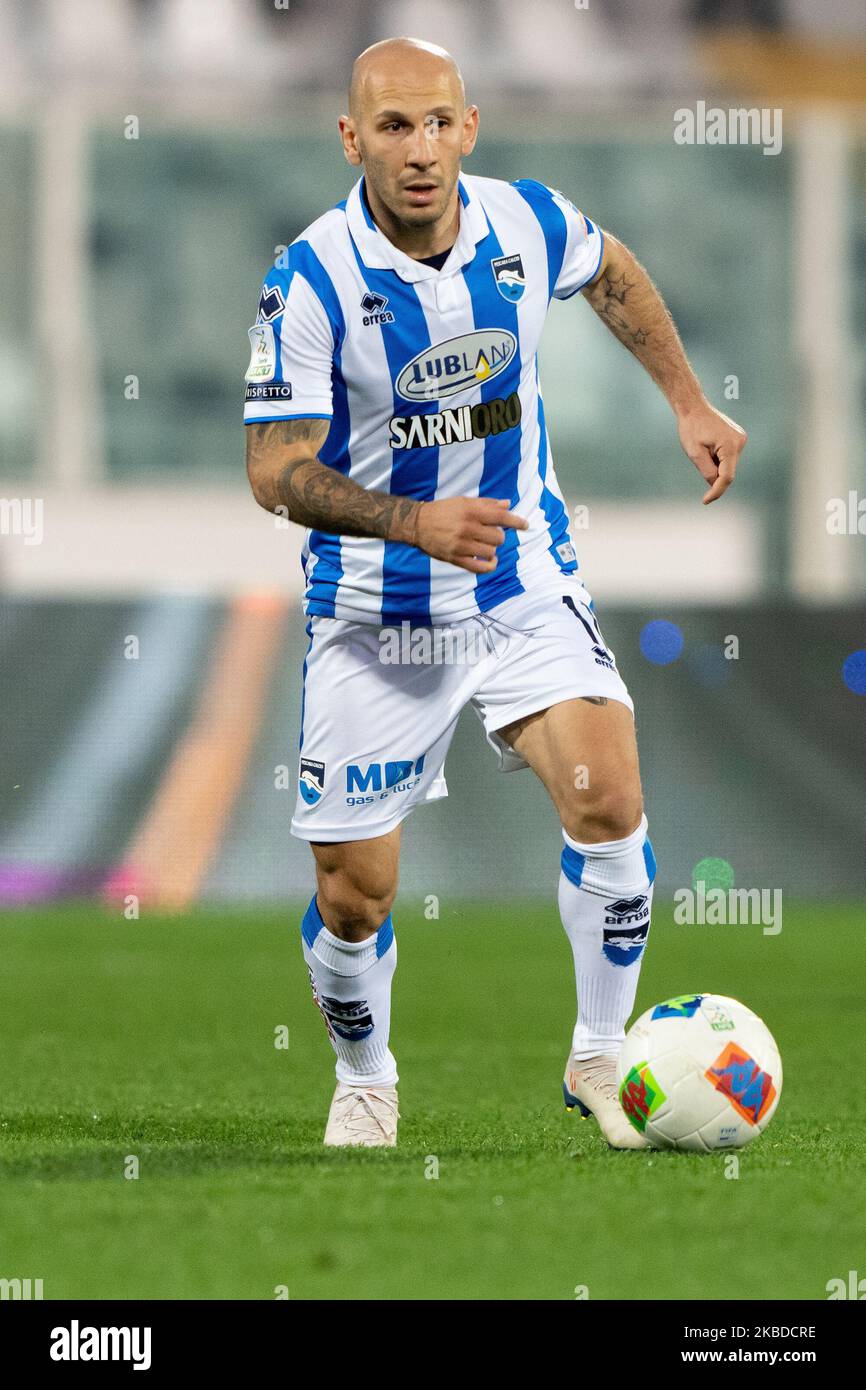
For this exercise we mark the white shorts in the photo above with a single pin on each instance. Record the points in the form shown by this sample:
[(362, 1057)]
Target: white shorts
[(380, 704)]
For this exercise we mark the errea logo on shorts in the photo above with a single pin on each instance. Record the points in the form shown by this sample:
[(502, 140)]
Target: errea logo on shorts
[(458, 364)]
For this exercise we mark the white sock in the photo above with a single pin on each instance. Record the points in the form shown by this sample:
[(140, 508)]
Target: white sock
[(351, 983), (605, 900)]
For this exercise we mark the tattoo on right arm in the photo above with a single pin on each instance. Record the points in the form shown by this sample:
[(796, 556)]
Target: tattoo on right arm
[(627, 301), (608, 297), (312, 494)]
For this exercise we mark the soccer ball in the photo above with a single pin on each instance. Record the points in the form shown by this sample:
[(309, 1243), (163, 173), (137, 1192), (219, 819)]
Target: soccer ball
[(699, 1072)]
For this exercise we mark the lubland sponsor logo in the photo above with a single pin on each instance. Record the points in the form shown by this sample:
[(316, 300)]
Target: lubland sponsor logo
[(77, 1343), (20, 1289), (737, 126), (463, 645), (847, 516), (22, 516), (718, 907), (458, 364), (455, 426)]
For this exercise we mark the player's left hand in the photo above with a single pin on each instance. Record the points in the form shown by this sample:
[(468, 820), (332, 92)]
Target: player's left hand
[(714, 443)]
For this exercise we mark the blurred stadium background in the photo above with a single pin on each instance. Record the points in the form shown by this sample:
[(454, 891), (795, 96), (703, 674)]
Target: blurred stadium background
[(154, 155)]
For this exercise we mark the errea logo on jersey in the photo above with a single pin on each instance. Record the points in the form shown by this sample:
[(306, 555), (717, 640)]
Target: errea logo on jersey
[(271, 304), (375, 311), (458, 364)]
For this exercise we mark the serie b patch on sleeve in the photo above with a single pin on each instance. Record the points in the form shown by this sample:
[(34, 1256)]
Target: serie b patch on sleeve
[(263, 354)]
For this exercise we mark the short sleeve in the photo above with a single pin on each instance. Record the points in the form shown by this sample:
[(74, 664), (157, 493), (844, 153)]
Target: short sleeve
[(584, 246), (291, 351), (575, 245)]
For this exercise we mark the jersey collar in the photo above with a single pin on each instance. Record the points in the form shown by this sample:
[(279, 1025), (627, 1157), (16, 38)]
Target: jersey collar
[(377, 252)]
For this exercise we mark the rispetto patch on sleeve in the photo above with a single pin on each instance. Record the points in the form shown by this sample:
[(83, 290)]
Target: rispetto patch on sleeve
[(277, 391)]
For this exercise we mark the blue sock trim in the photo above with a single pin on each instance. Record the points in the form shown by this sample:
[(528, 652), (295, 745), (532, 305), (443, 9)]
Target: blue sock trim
[(384, 937), (572, 865), (311, 923), (649, 859)]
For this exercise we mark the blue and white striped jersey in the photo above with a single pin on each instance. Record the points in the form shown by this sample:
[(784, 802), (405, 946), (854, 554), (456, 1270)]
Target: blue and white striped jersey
[(430, 381)]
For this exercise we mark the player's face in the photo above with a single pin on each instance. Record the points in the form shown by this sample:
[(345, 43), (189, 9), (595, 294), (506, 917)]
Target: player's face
[(411, 137)]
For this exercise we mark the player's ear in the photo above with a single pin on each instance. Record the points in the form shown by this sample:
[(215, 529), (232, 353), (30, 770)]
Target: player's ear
[(470, 130), (349, 138)]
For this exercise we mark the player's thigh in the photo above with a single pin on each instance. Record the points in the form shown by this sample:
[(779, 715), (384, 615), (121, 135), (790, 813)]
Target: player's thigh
[(357, 883), (374, 733), (584, 750)]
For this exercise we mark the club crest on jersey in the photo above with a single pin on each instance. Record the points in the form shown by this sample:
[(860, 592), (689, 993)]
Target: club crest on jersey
[(375, 310), (509, 276), (311, 780), (458, 364)]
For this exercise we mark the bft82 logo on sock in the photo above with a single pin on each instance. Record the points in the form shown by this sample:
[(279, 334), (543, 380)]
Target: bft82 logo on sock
[(626, 926), (350, 1018)]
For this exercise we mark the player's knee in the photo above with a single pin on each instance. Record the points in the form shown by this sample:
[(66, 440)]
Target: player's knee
[(354, 901), (605, 815)]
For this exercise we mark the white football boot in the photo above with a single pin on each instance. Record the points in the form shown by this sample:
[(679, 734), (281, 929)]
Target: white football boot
[(591, 1086), (363, 1116)]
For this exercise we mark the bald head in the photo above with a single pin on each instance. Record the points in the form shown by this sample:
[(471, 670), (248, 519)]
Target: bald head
[(409, 126), (393, 60)]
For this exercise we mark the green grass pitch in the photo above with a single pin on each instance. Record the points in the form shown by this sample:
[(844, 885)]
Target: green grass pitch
[(155, 1039)]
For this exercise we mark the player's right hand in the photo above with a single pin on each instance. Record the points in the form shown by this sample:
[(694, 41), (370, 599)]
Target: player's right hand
[(466, 531)]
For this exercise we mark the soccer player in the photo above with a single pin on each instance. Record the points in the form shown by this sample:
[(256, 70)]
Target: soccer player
[(393, 409)]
